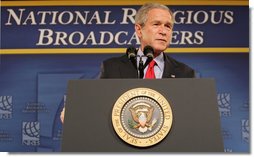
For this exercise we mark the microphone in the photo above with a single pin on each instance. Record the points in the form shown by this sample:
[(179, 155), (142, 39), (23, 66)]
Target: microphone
[(149, 53), (131, 53)]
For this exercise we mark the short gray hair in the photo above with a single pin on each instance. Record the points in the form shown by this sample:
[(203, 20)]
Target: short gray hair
[(141, 16)]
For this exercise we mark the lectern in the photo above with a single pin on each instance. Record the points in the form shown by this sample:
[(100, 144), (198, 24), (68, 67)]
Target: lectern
[(88, 125)]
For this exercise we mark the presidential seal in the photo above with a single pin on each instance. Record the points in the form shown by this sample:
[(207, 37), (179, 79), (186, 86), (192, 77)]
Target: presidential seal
[(142, 117)]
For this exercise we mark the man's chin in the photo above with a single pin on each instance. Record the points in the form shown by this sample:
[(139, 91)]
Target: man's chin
[(159, 49)]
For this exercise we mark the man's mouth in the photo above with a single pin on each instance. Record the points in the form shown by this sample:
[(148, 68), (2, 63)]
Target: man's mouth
[(162, 40)]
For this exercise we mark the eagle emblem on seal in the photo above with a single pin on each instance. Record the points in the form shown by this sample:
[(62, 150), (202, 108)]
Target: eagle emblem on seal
[(142, 114)]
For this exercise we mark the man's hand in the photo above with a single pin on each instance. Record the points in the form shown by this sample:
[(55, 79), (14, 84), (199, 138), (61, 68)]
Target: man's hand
[(62, 115)]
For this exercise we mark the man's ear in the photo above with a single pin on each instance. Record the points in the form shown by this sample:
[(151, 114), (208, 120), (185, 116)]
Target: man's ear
[(138, 30)]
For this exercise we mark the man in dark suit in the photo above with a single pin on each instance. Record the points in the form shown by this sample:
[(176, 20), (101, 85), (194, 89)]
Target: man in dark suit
[(121, 67), (154, 27)]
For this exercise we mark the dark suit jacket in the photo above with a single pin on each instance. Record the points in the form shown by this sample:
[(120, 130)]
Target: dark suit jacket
[(122, 67)]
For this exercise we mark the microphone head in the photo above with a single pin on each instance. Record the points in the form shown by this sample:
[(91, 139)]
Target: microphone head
[(148, 51), (131, 52)]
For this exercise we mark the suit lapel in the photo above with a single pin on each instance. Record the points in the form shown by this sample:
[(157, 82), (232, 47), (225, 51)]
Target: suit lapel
[(168, 68), (127, 69)]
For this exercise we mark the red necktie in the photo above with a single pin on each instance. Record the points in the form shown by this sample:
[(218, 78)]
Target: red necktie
[(150, 70)]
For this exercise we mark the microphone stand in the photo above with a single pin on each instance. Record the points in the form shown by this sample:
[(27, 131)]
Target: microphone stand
[(140, 68), (149, 59)]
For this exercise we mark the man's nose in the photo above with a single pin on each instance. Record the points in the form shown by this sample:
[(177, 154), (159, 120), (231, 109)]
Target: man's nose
[(162, 30)]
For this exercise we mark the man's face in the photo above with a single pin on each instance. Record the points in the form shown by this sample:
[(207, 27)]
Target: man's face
[(157, 31)]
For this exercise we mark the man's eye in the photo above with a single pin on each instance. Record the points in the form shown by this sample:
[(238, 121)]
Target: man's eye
[(168, 26)]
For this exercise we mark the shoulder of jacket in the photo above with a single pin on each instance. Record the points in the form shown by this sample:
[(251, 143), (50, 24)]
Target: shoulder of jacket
[(114, 59), (177, 64), (172, 60)]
